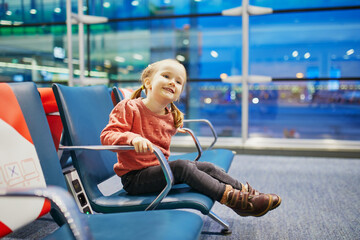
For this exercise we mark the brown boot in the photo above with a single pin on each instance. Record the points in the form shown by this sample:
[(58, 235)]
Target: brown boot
[(245, 204), (276, 198)]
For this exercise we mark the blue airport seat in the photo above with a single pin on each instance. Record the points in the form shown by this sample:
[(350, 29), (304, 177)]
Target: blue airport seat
[(85, 112), (220, 157), (164, 224)]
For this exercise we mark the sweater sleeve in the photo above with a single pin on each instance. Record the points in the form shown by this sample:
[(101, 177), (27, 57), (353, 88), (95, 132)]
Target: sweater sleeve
[(118, 130)]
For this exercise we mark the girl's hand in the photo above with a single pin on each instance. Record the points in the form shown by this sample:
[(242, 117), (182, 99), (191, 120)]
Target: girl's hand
[(180, 130), (142, 145)]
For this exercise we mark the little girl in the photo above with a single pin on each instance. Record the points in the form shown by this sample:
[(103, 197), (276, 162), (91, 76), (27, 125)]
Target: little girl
[(144, 122)]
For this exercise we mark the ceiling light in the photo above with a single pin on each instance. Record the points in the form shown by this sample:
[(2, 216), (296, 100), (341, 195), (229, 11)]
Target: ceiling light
[(135, 3), (119, 59), (349, 52), (299, 75), (214, 54), (295, 53), (138, 56), (180, 58)]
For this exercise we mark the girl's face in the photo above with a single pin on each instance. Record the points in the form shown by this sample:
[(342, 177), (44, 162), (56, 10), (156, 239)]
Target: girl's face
[(167, 83)]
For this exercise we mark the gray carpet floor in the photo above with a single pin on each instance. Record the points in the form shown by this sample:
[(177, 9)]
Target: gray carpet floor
[(320, 200)]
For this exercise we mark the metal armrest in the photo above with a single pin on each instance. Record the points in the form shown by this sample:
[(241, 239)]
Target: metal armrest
[(197, 143), (61, 198), (159, 155), (211, 128)]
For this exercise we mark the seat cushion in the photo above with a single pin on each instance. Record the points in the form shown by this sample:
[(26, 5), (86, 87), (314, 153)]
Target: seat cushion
[(162, 224), (181, 196)]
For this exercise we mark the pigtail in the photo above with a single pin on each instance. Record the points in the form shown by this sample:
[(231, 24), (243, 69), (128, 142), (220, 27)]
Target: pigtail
[(178, 115), (137, 93), (146, 73)]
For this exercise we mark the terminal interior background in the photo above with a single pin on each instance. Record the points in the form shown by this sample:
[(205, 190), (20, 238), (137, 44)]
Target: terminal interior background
[(310, 49), (309, 112)]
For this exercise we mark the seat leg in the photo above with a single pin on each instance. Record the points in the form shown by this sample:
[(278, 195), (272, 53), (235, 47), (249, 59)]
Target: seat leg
[(226, 228)]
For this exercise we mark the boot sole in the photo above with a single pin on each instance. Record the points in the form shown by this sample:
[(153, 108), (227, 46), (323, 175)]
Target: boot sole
[(278, 204)]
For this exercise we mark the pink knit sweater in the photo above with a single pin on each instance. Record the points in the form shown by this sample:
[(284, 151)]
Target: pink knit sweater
[(130, 119)]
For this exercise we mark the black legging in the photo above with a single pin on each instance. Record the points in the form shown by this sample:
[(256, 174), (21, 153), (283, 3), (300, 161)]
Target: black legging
[(204, 177)]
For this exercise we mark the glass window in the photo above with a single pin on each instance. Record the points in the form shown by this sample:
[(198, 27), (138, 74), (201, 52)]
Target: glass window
[(306, 45), (307, 110), (296, 45), (301, 4), (311, 49), (40, 11), (35, 11), (33, 54), (286, 109)]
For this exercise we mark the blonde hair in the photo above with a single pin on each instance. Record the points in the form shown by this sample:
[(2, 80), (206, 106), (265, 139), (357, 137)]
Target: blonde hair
[(148, 72)]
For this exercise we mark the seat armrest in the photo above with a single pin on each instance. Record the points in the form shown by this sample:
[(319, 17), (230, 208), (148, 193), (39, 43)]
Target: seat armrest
[(61, 198), (210, 126), (196, 141), (159, 155)]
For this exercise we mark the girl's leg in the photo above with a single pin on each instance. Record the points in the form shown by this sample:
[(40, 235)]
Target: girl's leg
[(152, 179), (223, 177), (218, 174)]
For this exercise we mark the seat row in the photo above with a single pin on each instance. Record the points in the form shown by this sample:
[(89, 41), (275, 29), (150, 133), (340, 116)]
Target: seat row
[(38, 171)]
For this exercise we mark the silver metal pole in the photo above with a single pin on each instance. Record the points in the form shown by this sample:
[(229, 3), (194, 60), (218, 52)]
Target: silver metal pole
[(245, 72), (81, 42), (69, 42), (245, 10)]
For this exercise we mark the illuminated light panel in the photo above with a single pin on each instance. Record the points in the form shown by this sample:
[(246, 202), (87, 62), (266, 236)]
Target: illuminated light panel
[(223, 76), (300, 75), (135, 3), (349, 52), (138, 56), (51, 69), (180, 58), (295, 53), (120, 59), (214, 54), (255, 100), (207, 100), (4, 22)]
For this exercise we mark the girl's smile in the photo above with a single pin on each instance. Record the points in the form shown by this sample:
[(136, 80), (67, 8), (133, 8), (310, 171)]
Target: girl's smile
[(169, 90)]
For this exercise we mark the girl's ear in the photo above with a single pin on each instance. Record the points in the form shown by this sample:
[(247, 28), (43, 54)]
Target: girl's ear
[(147, 83)]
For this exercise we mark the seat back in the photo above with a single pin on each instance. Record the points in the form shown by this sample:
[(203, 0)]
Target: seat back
[(52, 114), (118, 94), (28, 156), (85, 112)]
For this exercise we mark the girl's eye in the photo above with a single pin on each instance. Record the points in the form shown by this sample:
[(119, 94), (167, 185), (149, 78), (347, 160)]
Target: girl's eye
[(166, 76)]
